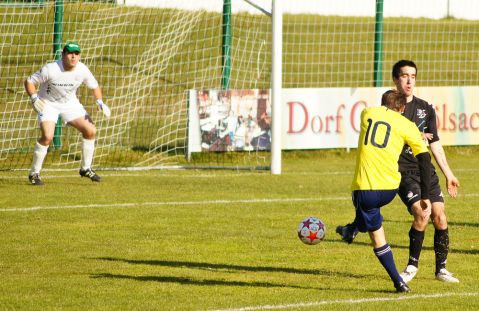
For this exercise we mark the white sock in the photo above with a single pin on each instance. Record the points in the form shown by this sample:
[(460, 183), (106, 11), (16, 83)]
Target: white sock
[(88, 148), (39, 154)]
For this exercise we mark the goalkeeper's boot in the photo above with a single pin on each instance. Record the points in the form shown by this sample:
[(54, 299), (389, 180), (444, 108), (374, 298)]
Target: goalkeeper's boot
[(90, 174), (347, 233), (35, 179)]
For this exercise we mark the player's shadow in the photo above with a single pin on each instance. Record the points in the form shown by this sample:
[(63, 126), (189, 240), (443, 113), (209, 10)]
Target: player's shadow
[(190, 281), (222, 268), (230, 267)]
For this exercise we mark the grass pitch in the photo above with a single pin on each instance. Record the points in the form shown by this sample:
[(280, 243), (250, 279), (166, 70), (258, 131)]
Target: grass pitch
[(220, 240)]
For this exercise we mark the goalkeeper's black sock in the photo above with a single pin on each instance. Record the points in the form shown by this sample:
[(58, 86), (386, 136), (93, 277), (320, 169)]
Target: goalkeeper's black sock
[(441, 248), (416, 238)]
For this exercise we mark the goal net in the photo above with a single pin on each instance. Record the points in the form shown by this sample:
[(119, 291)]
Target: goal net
[(145, 58), (147, 55)]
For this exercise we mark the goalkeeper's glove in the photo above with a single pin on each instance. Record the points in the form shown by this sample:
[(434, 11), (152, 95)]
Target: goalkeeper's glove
[(37, 104), (104, 108)]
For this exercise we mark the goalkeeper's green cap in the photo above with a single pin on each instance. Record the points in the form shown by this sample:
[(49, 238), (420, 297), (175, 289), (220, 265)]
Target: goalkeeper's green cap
[(72, 47)]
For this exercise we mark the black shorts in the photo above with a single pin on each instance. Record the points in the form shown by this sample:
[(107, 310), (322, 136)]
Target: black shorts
[(410, 188)]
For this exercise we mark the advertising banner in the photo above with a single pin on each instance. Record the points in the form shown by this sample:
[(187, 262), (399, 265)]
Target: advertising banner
[(329, 118), (316, 118), (232, 120)]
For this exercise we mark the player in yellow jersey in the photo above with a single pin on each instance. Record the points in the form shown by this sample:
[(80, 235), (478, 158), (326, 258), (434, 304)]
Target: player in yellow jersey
[(404, 74), (384, 131)]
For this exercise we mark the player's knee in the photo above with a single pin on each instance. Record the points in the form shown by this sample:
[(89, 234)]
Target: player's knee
[(420, 223), (93, 132), (439, 220), (46, 140), (420, 219), (90, 132)]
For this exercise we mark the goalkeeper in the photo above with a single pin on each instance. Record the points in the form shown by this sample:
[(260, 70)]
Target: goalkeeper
[(57, 83)]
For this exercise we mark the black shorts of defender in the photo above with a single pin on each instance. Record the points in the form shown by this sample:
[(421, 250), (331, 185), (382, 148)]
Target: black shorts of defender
[(410, 188)]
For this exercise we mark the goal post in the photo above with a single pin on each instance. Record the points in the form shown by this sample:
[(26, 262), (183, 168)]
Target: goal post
[(276, 86), (57, 47)]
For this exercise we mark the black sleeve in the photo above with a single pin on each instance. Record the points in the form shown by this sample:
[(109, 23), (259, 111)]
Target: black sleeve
[(424, 161)]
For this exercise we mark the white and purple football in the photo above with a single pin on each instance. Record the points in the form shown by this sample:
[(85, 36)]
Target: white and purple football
[(311, 230)]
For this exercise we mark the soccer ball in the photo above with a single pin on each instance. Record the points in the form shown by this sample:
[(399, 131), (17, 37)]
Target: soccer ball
[(311, 230)]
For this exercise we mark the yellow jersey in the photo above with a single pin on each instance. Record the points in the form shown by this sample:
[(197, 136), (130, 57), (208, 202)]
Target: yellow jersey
[(381, 140)]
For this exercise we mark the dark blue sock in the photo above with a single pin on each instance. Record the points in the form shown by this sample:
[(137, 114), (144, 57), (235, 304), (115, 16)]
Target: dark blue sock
[(385, 256)]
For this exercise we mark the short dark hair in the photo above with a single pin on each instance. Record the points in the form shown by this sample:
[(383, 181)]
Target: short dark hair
[(394, 100), (402, 63)]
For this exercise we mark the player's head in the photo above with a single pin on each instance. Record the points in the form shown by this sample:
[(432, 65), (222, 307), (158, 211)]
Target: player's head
[(71, 55), (402, 63), (394, 100), (404, 76)]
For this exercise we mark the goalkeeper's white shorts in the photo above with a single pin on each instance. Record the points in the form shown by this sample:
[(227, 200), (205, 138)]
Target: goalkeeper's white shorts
[(68, 111)]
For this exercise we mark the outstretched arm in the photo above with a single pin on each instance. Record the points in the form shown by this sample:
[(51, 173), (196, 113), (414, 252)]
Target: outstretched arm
[(97, 93), (440, 157), (30, 88)]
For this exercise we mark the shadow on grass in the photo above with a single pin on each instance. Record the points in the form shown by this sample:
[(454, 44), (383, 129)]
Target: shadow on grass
[(189, 281), (213, 282), (226, 267)]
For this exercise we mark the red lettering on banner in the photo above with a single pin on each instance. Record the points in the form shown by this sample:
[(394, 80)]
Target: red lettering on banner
[(317, 124), (339, 117), (328, 119), (455, 121), (357, 105), (319, 121), (452, 122), (471, 122), (291, 117), (438, 125), (463, 126)]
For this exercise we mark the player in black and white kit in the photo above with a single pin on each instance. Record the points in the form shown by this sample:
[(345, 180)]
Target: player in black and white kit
[(424, 116), (58, 82)]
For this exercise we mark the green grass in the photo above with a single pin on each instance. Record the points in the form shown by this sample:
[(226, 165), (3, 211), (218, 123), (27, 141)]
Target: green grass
[(204, 240)]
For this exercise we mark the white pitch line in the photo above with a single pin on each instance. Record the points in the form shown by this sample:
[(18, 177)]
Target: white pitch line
[(252, 201), (162, 174), (208, 202), (348, 301)]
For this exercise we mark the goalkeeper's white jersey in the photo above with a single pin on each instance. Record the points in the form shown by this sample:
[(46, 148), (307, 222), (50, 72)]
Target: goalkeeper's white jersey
[(60, 86)]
